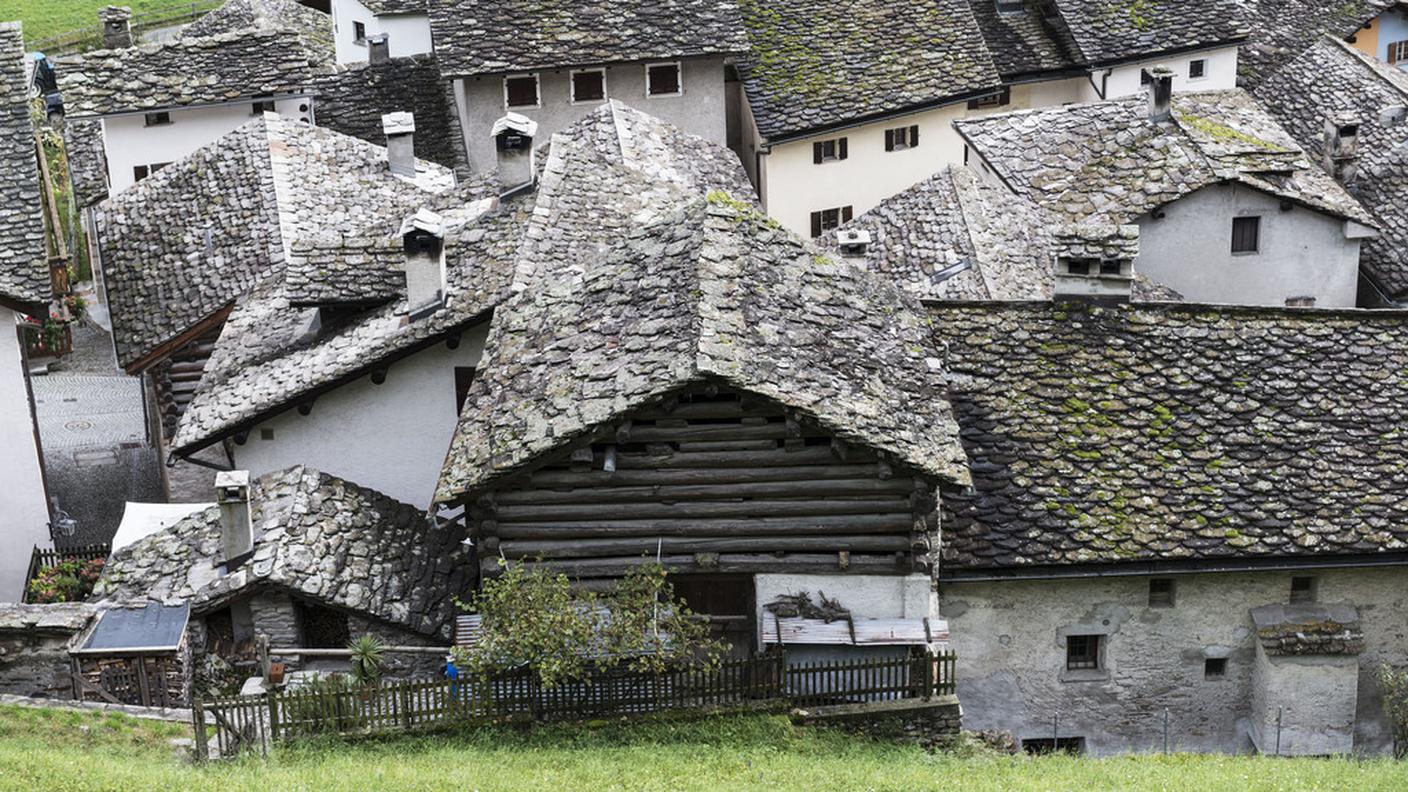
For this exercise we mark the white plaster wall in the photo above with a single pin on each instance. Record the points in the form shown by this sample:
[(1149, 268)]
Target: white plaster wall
[(24, 513), (1124, 80), (866, 596), (1323, 697), (128, 142), (1011, 656), (1302, 252), (391, 437), (407, 34), (699, 109)]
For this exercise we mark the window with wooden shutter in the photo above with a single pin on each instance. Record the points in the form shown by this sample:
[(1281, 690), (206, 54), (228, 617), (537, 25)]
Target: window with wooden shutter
[(826, 219), (1397, 52), (913, 135), (1246, 234), (889, 140), (841, 149), (902, 138), (816, 224), (663, 79), (521, 91), (828, 150)]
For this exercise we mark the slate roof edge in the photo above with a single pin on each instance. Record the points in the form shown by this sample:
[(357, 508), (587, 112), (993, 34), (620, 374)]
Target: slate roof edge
[(722, 53), (1222, 308), (950, 99), (303, 92), (949, 573)]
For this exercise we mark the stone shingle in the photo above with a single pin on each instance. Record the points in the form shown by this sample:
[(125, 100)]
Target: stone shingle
[(24, 262), (519, 35), (1282, 29), (236, 16), (353, 98), (1117, 30), (1164, 433)]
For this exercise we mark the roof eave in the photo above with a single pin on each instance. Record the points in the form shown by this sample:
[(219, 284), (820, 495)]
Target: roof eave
[(1169, 566)]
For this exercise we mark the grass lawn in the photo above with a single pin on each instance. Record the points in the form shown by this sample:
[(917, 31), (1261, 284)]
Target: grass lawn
[(45, 18), (47, 749)]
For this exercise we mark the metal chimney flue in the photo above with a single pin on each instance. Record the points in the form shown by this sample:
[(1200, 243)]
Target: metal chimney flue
[(379, 48)]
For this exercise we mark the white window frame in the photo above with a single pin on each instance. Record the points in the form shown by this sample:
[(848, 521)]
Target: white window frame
[(537, 91), (1204, 76), (572, 86), (679, 71)]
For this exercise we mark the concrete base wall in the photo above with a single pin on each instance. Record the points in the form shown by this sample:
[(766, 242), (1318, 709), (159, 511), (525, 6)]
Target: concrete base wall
[(1304, 705), (1010, 640)]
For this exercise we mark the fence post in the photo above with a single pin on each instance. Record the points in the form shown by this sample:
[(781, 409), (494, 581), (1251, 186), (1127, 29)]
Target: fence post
[(198, 730), (273, 715), (781, 672), (929, 661)]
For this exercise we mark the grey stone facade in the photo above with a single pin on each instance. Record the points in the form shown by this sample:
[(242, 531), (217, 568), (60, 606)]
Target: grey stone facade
[(34, 643), (353, 99)]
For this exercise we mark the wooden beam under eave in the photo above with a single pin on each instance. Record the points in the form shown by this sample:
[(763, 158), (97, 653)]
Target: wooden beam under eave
[(169, 348)]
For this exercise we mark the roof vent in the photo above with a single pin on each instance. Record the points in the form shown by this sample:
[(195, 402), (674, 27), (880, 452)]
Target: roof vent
[(1095, 262), (379, 48), (513, 140), (236, 523), (1011, 6), (1342, 145), (117, 26), (853, 242), (400, 131), (1159, 82), (424, 235)]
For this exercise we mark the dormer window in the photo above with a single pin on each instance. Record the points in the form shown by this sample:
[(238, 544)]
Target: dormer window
[(1079, 266), (663, 79), (902, 138), (521, 91), (589, 85), (828, 150), (160, 118)]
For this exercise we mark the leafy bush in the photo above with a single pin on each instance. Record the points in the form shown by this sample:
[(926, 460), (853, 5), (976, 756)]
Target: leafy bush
[(1394, 682), (70, 580), (532, 617)]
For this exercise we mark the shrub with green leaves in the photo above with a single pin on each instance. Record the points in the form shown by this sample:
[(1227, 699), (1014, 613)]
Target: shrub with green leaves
[(1394, 682), (367, 654), (70, 580)]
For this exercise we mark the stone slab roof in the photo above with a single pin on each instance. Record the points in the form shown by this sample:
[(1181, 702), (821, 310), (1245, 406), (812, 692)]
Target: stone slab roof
[(1308, 629), (1331, 77), (336, 269), (318, 538), (715, 290), (24, 258), (1032, 42), (396, 6), (631, 165), (954, 236), (1118, 30), (87, 160), (815, 63), (191, 71), (1174, 433), (237, 16), (187, 241), (1107, 162), (1282, 29), (520, 35), (58, 617)]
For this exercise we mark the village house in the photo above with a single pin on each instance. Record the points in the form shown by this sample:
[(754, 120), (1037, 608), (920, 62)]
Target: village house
[(181, 248), (1332, 86), (1161, 525), (1230, 208), (358, 24), (848, 104), (1282, 29), (25, 290), (669, 59)]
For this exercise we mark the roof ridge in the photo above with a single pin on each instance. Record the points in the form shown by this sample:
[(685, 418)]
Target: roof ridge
[(968, 205)]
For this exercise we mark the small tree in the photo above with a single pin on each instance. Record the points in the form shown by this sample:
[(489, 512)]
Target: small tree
[(534, 618), (367, 653), (1394, 682)]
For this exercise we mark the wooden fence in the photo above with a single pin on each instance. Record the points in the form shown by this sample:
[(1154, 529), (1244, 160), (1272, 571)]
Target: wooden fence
[(90, 38), (45, 557), (256, 722)]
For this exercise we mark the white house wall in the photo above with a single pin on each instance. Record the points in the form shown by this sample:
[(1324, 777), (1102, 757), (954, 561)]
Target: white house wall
[(699, 109), (129, 142), (1302, 252), (390, 437), (407, 34), (24, 515), (1124, 80), (1011, 656)]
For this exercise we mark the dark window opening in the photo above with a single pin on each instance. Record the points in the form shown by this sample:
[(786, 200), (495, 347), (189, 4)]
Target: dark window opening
[(521, 91), (266, 434), (902, 138), (1078, 266), (262, 106), (662, 79), (160, 118), (1110, 267), (717, 595), (588, 86), (220, 633), (140, 172), (1302, 589), (828, 219), (1197, 69), (321, 628), (1161, 593), (464, 377), (828, 150), (1082, 652), (359, 32), (1214, 667), (1246, 234), (1046, 745), (995, 99)]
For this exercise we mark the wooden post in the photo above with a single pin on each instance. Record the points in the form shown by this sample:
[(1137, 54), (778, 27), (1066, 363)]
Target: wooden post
[(273, 714), (198, 731)]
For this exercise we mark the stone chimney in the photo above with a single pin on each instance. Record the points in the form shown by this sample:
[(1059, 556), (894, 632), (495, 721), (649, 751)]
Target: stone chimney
[(400, 131), (424, 235), (513, 140), (379, 48), (853, 242), (1160, 89), (1011, 6), (1095, 262), (117, 26), (1342, 145), (236, 522)]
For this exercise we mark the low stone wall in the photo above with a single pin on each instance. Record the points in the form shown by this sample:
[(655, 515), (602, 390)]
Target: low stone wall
[(933, 723), (34, 643)]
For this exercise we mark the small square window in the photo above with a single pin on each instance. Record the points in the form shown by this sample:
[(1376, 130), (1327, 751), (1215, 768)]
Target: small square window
[(1246, 234), (266, 434), (262, 106), (996, 99), (1082, 652), (140, 172), (589, 86), (901, 138), (161, 118), (1303, 589), (1110, 267), (663, 79), (1078, 266), (828, 219), (521, 91), (359, 32), (1214, 667), (1161, 593), (1197, 69)]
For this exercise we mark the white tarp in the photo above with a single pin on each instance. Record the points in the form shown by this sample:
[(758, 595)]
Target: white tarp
[(140, 520)]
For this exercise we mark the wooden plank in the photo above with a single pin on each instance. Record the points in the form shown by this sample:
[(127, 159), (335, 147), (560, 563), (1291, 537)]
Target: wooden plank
[(724, 563), (651, 518), (559, 479), (605, 548), (812, 455), (786, 489)]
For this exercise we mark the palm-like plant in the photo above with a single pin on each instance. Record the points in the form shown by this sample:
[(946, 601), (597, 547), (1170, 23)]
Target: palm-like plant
[(367, 652)]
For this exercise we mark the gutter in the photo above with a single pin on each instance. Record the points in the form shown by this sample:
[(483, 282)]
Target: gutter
[(1148, 568)]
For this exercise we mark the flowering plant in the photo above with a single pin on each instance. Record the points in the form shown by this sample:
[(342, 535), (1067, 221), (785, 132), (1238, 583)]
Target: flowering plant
[(70, 580)]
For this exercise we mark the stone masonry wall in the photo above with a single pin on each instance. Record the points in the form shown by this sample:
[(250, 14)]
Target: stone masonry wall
[(1009, 637), (931, 724), (353, 99), (34, 643)]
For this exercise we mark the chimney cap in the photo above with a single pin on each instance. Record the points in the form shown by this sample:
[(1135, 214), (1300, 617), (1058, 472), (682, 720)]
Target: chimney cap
[(232, 478), (114, 13), (515, 123), (424, 220), (398, 123)]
